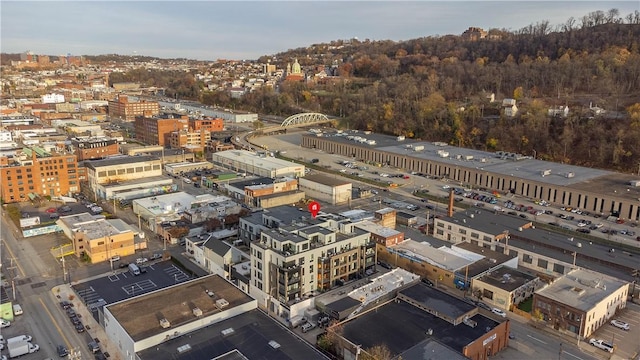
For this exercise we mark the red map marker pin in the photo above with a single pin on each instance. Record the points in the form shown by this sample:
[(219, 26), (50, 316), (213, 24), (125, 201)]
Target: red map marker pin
[(314, 207)]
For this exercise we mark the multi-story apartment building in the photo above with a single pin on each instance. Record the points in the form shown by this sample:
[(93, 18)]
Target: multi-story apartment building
[(128, 110), (120, 168), (90, 149), (157, 130), (305, 255), (191, 139), (36, 172)]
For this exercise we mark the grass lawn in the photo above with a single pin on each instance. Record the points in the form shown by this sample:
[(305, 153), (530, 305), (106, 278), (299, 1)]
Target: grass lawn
[(526, 305)]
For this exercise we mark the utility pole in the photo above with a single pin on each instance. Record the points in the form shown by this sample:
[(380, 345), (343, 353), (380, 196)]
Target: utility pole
[(560, 352)]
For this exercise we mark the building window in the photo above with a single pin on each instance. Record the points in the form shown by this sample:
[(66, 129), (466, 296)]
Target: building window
[(526, 258), (475, 235), (440, 232), (557, 268), (487, 294), (543, 263), (462, 231)]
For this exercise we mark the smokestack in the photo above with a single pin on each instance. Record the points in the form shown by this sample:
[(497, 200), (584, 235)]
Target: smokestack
[(450, 208)]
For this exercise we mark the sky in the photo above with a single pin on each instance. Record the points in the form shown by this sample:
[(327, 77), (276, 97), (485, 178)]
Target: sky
[(211, 30)]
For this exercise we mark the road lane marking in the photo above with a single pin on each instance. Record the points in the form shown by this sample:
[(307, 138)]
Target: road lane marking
[(570, 354), (55, 323), (536, 339), (13, 256)]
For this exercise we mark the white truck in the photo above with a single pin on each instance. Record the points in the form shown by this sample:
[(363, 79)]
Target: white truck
[(20, 345)]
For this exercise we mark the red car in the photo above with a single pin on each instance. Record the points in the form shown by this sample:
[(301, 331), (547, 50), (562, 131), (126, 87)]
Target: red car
[(405, 177), (620, 221), (52, 210)]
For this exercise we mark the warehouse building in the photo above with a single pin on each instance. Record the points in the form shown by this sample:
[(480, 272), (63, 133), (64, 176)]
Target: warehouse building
[(259, 164), (199, 319), (335, 191), (594, 190)]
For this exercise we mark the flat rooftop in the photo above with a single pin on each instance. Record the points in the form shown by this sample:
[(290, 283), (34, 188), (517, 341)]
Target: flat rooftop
[(326, 180), (172, 203), (400, 326), (140, 316), (424, 252), (526, 168), (94, 164), (506, 278), (489, 258), (92, 227), (377, 229), (497, 223), (249, 157), (382, 285), (255, 336), (582, 289)]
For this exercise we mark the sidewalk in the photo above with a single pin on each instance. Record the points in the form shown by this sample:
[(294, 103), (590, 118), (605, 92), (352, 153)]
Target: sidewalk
[(65, 292)]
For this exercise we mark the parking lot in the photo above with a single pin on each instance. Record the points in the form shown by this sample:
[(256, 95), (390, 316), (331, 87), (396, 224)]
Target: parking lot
[(121, 284), (626, 342)]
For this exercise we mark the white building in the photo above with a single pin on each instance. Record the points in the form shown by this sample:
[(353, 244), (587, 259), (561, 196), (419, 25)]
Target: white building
[(169, 207), (118, 169), (306, 255), (151, 319), (255, 163), (334, 191), (52, 98)]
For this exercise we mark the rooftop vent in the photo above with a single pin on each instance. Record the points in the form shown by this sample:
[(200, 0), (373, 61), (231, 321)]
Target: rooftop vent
[(577, 290), (197, 312), (222, 303), (274, 344), (184, 348), (165, 323), (227, 332), (209, 292)]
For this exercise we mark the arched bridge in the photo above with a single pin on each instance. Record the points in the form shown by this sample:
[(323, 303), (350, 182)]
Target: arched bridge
[(304, 119)]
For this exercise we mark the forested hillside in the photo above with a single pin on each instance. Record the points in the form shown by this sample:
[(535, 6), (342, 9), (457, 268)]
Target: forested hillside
[(435, 88)]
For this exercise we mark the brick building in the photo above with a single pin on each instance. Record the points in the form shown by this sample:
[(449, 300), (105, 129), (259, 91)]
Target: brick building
[(157, 130), (209, 124), (36, 172), (90, 149), (128, 110), (193, 139)]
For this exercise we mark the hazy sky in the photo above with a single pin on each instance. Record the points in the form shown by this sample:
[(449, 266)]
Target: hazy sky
[(209, 30)]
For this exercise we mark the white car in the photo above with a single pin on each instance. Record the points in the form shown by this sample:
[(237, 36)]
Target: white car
[(620, 324), (446, 187), (4, 323), (499, 312), (115, 258), (141, 260)]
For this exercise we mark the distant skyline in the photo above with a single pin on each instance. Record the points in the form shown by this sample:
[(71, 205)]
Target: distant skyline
[(210, 30)]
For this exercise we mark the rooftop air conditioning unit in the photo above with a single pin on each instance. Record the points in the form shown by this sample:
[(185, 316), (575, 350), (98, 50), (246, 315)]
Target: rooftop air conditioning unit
[(222, 303), (165, 323), (197, 312)]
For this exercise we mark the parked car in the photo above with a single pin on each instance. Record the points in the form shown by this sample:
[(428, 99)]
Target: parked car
[(601, 344), (620, 324), (483, 305), (115, 258), (141, 260), (308, 327), (499, 312), (156, 256), (427, 281)]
